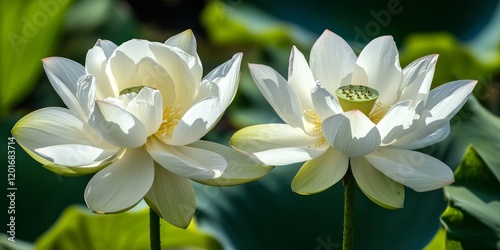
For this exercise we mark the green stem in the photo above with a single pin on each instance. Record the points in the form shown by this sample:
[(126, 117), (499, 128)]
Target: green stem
[(154, 230), (348, 234)]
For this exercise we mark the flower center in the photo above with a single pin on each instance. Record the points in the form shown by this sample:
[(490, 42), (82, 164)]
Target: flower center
[(358, 97), (171, 116), (135, 89), (312, 117)]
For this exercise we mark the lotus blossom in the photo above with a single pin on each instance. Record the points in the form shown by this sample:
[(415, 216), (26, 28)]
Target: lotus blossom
[(362, 112), (136, 113)]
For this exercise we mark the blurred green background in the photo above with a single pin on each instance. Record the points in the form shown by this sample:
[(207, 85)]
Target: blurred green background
[(264, 214)]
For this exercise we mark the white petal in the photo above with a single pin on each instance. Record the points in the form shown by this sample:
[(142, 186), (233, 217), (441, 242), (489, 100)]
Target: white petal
[(54, 126), (187, 42), (332, 61), (122, 184), (135, 49), (63, 74), (196, 122), (85, 93), (278, 144), (173, 60), (150, 73), (189, 162), (351, 133), (431, 139), (73, 155), (412, 169), (443, 103), (240, 168), (398, 121), (184, 41), (48, 127), (376, 186), (278, 93), (120, 70), (446, 100), (324, 103), (133, 64), (107, 46), (320, 173), (226, 76), (95, 64), (378, 67), (173, 197), (300, 78), (147, 106), (417, 78), (117, 126)]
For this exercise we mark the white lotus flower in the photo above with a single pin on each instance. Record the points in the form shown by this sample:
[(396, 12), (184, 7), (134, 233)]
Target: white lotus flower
[(335, 119), (136, 115)]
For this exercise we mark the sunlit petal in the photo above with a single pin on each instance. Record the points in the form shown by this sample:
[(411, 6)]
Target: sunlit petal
[(378, 67), (398, 121), (278, 144), (376, 186), (147, 106), (226, 76), (187, 43), (240, 168), (63, 74), (332, 61), (412, 169), (85, 93), (173, 197), (324, 103), (122, 184), (442, 104), (417, 78), (189, 162), (117, 126), (320, 173), (351, 133), (278, 93), (95, 65), (196, 122), (300, 78)]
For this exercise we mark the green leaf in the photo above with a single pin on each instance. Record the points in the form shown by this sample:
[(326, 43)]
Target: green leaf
[(472, 218), (30, 28), (78, 228)]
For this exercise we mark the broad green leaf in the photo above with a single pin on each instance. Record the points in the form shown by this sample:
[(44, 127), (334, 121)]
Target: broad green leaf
[(472, 218), (29, 30), (78, 228), (438, 242)]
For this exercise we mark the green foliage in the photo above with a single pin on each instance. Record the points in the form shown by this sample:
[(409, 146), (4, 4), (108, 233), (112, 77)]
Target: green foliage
[(472, 218), (80, 229), (248, 25), (29, 30)]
